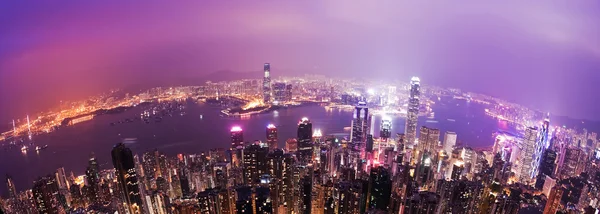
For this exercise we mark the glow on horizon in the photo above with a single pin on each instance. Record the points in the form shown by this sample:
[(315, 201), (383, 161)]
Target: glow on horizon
[(236, 129)]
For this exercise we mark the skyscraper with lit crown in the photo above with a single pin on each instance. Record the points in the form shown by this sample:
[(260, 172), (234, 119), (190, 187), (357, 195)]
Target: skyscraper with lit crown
[(412, 113), (272, 137), (305, 147)]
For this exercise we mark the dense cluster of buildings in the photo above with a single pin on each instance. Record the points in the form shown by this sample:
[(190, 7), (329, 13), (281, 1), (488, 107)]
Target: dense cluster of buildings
[(421, 171)]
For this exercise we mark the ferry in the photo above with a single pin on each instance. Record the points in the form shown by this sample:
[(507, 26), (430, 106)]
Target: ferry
[(37, 148)]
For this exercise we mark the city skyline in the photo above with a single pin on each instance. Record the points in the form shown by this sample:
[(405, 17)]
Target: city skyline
[(521, 45), (352, 172), (299, 107)]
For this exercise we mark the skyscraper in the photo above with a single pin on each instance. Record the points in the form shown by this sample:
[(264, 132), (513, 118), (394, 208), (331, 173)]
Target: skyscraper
[(305, 147), (572, 158), (547, 167), (412, 113), (122, 159), (428, 143), (369, 144), (276, 169), (244, 200), (422, 203), (267, 84), (272, 137), (45, 193), (262, 200), (289, 182), (279, 93), (237, 137), (449, 141), (255, 164), (305, 194), (553, 201), (386, 128), (380, 188), (93, 178), (360, 125), (346, 197), (528, 159)]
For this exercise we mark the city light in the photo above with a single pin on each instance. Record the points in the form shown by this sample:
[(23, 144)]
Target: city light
[(236, 129)]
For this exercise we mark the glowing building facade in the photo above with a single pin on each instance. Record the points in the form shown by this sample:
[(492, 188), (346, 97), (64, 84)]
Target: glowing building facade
[(412, 114), (266, 89)]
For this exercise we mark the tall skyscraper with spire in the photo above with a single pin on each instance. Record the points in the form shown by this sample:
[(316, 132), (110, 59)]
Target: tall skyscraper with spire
[(266, 89), (124, 164), (412, 114)]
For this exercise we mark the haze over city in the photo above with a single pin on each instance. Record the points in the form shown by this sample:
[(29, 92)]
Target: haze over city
[(299, 107), (545, 55)]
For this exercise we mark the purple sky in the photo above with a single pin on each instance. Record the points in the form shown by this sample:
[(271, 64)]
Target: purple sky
[(544, 54)]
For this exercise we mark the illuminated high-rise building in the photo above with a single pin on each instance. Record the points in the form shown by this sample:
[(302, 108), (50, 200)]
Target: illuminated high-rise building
[(279, 93), (61, 178), (255, 164), (428, 143), (547, 166), (449, 142), (305, 146), (290, 182), (266, 89), (237, 145), (360, 125), (422, 203), (291, 145), (412, 114), (122, 159), (237, 137), (272, 137), (45, 194), (244, 200), (370, 143), (386, 128), (262, 200), (93, 179), (528, 164), (380, 188), (553, 202), (306, 185), (347, 197), (572, 158), (544, 132), (276, 170)]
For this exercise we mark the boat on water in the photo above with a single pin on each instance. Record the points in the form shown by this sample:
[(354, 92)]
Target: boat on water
[(38, 148)]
